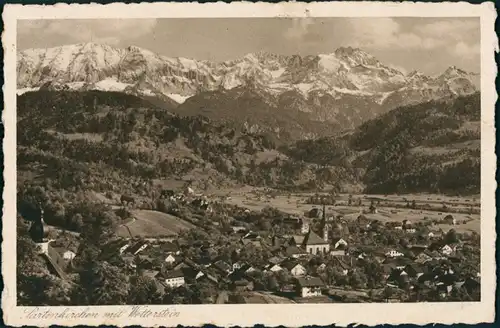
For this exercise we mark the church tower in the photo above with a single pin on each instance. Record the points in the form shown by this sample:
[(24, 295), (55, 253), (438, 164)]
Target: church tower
[(324, 225), (39, 232), (325, 232)]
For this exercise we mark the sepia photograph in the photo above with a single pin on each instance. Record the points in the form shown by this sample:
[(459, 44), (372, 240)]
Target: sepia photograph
[(315, 160)]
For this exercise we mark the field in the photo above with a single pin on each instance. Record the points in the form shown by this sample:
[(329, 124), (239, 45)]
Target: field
[(389, 208), (153, 224)]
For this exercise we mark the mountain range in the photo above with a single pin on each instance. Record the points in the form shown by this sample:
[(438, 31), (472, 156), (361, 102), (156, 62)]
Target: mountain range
[(290, 97)]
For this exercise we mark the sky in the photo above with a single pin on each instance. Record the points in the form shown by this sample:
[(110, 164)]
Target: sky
[(429, 45)]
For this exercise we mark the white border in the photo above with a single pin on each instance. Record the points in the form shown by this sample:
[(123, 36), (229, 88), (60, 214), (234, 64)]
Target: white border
[(270, 314)]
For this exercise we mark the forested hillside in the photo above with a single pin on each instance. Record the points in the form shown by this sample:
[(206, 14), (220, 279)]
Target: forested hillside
[(78, 144), (74, 145), (429, 147)]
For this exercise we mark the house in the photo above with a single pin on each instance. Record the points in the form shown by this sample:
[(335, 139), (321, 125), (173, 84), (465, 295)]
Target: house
[(400, 262), (242, 285), (447, 250), (68, 255), (204, 261), (113, 248), (417, 249), (173, 278), (170, 259), (222, 267), (150, 273), (339, 243), (237, 265), (449, 219), (293, 222), (443, 289), (129, 260), (414, 270), (275, 260), (313, 244), (410, 230), (188, 191), (252, 236), (309, 286), (422, 258), (186, 263), (145, 262), (305, 227), (207, 277), (247, 268), (170, 248), (296, 240), (137, 247), (295, 269), (295, 252), (247, 242), (393, 253), (315, 213), (237, 229), (339, 263), (338, 252), (321, 267), (387, 270), (65, 254), (274, 268)]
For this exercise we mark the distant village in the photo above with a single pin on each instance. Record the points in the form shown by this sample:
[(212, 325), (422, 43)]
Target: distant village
[(243, 256)]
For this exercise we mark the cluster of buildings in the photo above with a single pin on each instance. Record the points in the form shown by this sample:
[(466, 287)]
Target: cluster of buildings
[(304, 258)]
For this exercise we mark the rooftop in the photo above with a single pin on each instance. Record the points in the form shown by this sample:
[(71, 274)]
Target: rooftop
[(313, 239), (310, 282)]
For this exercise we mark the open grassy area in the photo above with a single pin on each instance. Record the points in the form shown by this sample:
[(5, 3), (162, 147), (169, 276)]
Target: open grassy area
[(391, 207), (153, 223)]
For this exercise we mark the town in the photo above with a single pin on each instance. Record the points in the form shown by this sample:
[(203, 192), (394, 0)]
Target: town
[(337, 249)]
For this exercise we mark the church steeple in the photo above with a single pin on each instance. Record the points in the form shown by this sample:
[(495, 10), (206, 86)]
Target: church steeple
[(37, 230), (324, 225)]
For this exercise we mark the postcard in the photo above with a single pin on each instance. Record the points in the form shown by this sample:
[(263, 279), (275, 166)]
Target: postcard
[(249, 163)]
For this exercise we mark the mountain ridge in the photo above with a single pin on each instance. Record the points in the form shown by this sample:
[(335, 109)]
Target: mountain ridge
[(343, 88)]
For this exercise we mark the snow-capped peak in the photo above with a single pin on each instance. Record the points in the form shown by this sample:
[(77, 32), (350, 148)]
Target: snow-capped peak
[(453, 71), (355, 56), (347, 70)]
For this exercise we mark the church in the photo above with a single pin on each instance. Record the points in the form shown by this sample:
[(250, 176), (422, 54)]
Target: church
[(314, 244), (39, 234)]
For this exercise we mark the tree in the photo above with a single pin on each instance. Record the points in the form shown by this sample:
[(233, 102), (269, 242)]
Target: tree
[(387, 293), (271, 282), (357, 279), (143, 290), (102, 284), (451, 237)]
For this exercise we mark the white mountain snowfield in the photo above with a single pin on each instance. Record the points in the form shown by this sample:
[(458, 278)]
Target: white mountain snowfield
[(346, 71)]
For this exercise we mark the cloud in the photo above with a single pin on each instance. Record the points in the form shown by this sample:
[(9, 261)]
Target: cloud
[(382, 33), (457, 38), (466, 51), (110, 31), (455, 29), (299, 29)]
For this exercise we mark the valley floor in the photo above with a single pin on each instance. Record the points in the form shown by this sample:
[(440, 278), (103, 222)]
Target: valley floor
[(389, 207)]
